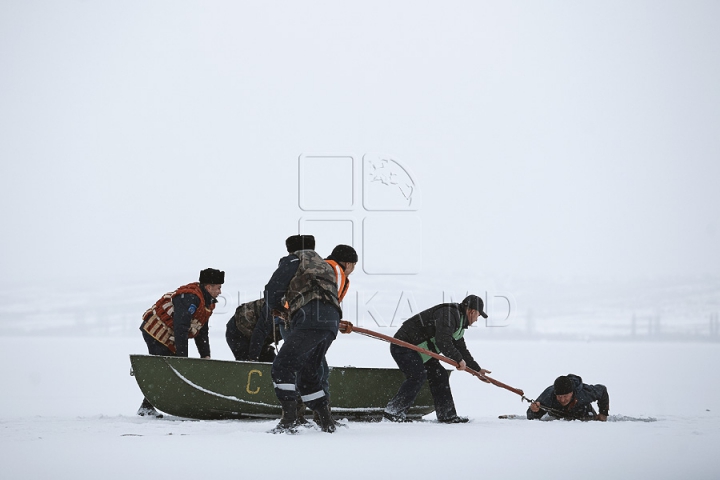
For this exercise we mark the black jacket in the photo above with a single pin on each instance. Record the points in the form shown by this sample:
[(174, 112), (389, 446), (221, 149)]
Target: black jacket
[(184, 306), (436, 326), (263, 333), (279, 282), (580, 407), (315, 315)]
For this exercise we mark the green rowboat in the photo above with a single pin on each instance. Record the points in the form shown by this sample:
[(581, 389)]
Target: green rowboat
[(207, 389)]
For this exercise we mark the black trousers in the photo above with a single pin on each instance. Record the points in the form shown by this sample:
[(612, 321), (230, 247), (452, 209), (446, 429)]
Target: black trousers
[(155, 347), (240, 345), (416, 372), (297, 366)]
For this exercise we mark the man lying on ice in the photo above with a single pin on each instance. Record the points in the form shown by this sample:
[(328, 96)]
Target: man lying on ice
[(571, 399)]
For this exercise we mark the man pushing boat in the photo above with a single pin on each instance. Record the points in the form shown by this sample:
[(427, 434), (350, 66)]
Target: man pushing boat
[(307, 283), (178, 316)]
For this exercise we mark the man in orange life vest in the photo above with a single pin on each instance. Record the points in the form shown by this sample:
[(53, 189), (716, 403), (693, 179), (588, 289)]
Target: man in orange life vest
[(307, 283), (178, 316), (343, 260)]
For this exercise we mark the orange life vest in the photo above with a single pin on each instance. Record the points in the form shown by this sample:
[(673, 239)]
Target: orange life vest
[(158, 319), (343, 283)]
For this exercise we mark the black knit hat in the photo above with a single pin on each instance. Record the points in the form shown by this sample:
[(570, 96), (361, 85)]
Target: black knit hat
[(475, 303), (344, 253), (300, 242), (212, 277), (563, 385)]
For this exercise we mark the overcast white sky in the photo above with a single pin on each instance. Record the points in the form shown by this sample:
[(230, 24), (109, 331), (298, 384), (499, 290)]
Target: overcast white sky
[(545, 138)]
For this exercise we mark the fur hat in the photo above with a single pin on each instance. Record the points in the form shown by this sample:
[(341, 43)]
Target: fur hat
[(563, 385), (300, 242), (475, 303), (344, 253), (212, 277)]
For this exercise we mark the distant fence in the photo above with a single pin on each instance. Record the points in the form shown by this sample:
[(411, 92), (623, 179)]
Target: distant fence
[(115, 321), (689, 313), (643, 327)]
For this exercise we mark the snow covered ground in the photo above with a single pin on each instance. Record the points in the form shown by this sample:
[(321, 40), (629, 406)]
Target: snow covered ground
[(68, 412), (68, 408)]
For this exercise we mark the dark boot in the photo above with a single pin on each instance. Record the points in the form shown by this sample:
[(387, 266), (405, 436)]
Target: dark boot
[(288, 423), (301, 413), (326, 422), (316, 417), (147, 410), (454, 419), (394, 417)]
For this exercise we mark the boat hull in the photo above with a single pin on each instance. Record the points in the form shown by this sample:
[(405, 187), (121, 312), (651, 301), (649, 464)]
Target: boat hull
[(207, 389)]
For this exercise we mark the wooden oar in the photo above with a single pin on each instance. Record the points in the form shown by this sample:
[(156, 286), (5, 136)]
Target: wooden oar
[(347, 327)]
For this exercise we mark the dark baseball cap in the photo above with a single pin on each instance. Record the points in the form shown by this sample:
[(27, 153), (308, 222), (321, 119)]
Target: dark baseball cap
[(475, 303)]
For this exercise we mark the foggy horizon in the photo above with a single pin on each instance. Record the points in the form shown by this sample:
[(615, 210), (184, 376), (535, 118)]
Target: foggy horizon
[(545, 141)]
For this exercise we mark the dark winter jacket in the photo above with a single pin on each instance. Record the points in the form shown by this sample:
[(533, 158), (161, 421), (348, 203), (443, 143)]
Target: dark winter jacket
[(580, 407), (184, 306), (179, 315), (253, 321), (436, 326), (316, 314), (314, 279)]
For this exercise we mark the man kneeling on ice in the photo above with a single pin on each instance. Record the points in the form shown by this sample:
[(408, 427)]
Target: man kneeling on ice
[(571, 399)]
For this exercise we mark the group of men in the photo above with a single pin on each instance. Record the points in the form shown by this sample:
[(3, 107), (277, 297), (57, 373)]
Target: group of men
[(301, 306)]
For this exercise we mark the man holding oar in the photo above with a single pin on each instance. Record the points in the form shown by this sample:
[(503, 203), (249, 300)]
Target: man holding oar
[(571, 399), (306, 283), (438, 329)]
